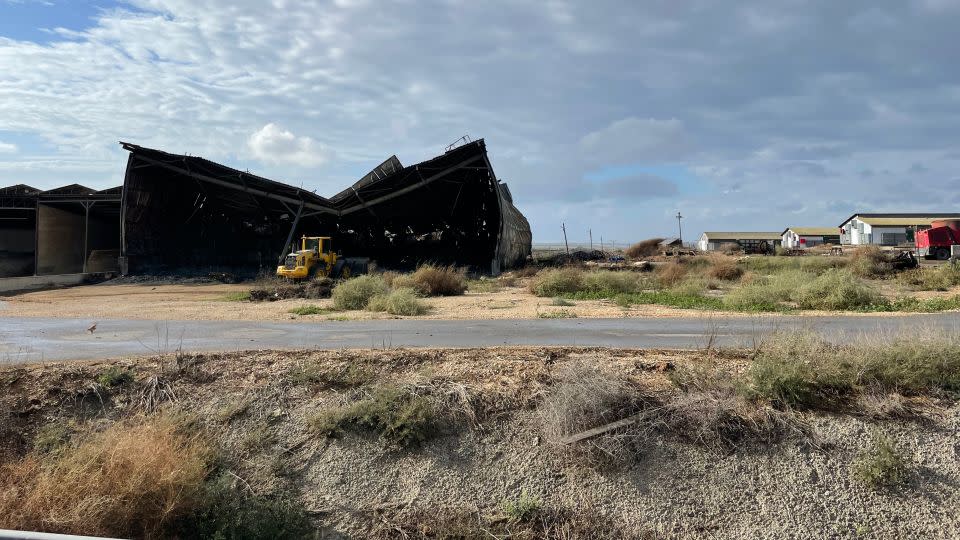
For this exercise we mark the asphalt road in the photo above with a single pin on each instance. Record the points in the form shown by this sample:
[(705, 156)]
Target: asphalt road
[(40, 339)]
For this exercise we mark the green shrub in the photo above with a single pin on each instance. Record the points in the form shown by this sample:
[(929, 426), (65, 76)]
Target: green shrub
[(522, 509), (610, 283), (801, 370), (562, 302), (690, 287), (557, 282), (664, 298), (309, 309), (398, 302), (349, 375), (399, 416), (115, 376), (881, 465), (756, 296), (837, 290), (938, 278), (356, 293), (52, 437), (226, 512), (775, 265), (927, 305), (558, 314)]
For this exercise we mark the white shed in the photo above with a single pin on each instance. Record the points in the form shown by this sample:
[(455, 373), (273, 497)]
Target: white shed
[(886, 229), (805, 237), (751, 242)]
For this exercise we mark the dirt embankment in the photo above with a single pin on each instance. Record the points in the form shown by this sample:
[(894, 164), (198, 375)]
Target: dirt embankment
[(481, 448)]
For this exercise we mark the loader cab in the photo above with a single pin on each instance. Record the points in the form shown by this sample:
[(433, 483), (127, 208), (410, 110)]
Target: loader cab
[(320, 245)]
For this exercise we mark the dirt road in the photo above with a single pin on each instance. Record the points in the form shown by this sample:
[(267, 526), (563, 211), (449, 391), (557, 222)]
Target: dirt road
[(31, 339)]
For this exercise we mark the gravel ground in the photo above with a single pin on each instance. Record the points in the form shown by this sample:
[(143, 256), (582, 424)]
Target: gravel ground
[(668, 489)]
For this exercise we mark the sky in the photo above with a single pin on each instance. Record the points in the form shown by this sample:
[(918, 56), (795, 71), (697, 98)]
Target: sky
[(607, 116)]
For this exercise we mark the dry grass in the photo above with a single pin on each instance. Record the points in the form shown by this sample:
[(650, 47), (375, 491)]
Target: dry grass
[(801, 370), (401, 301), (557, 282), (870, 262), (356, 293), (723, 267), (430, 280), (585, 397), (670, 274), (644, 248), (131, 480)]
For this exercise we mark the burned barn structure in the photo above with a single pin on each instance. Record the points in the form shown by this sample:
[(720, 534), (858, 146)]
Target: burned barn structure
[(184, 213)]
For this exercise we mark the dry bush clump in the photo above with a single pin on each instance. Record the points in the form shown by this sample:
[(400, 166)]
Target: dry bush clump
[(131, 480), (723, 267), (644, 248), (712, 412), (430, 280), (670, 274), (585, 397), (870, 262)]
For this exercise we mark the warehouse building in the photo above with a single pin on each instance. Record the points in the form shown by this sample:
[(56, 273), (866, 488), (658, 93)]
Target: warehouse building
[(807, 237), (887, 229), (68, 230), (749, 242), (184, 214)]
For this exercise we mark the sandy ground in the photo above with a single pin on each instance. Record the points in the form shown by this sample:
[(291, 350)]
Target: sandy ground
[(210, 302), (356, 487)]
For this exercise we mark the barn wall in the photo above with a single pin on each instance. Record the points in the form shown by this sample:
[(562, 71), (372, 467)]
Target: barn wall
[(59, 239)]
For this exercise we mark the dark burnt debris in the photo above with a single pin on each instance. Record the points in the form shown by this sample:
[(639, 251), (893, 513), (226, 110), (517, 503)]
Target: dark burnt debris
[(181, 214)]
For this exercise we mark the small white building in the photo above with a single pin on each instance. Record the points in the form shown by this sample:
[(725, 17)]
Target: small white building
[(886, 229), (751, 242), (806, 237)]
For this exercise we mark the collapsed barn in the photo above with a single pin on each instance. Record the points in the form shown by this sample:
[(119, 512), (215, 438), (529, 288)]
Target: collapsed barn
[(185, 214)]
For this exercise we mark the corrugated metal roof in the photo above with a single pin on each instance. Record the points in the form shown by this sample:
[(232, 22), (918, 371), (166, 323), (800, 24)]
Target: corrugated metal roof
[(900, 222), (743, 235), (911, 217), (813, 231)]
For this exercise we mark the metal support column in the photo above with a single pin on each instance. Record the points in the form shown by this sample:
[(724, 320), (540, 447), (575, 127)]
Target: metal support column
[(293, 229)]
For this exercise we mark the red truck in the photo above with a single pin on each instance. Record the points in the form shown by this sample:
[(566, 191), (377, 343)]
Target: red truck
[(935, 242)]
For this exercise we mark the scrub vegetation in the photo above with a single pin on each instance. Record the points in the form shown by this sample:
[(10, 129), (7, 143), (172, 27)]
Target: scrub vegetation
[(861, 283)]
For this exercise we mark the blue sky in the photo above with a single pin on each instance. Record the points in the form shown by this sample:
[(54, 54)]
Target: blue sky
[(608, 115)]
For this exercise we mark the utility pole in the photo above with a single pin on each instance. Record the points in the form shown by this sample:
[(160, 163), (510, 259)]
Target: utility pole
[(680, 238), (590, 232), (680, 228), (564, 227)]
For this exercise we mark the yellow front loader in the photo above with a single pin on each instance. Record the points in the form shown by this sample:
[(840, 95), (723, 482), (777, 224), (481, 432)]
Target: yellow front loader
[(314, 258)]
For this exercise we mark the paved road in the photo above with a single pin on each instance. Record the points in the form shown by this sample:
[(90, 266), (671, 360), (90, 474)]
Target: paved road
[(36, 339)]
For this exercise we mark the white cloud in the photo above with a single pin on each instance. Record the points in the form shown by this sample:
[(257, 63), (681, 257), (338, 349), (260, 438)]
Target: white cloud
[(637, 139), (273, 144), (8, 148)]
